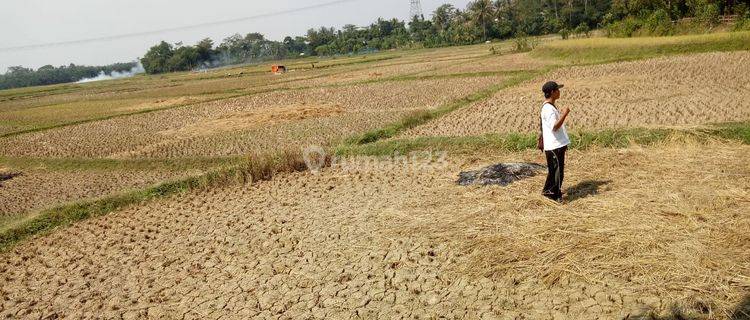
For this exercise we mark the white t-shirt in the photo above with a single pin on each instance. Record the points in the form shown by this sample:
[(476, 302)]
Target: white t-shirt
[(552, 139)]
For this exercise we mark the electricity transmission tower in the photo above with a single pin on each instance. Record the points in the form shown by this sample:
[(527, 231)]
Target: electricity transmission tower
[(416, 9)]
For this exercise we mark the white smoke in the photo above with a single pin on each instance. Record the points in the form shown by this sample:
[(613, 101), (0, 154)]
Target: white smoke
[(138, 68)]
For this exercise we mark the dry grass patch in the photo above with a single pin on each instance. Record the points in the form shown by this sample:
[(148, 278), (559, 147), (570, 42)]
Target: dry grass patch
[(659, 226)]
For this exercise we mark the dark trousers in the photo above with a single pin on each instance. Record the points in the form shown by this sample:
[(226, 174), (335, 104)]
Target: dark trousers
[(555, 173)]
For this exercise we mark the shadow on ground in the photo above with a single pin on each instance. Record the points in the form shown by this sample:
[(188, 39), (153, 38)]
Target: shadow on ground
[(7, 176), (700, 312), (585, 188)]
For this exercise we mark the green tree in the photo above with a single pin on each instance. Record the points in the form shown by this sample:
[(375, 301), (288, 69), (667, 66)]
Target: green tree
[(582, 30), (322, 50), (482, 13), (157, 58), (443, 16), (420, 29), (321, 36), (658, 23), (205, 49), (183, 59)]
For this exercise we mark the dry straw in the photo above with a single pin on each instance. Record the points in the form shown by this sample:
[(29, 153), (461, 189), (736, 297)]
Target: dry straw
[(667, 222)]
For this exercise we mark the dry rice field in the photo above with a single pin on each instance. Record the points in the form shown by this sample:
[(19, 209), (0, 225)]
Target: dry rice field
[(38, 189), (246, 124), (660, 92), (387, 242), (654, 231), (218, 113)]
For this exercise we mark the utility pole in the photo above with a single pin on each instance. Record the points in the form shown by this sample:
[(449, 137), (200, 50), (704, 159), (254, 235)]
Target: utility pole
[(415, 9)]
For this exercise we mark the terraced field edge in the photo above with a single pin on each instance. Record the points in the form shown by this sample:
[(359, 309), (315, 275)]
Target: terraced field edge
[(254, 168), (264, 167), (611, 138), (423, 116)]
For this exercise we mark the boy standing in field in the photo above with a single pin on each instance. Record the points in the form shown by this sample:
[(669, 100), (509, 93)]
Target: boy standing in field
[(554, 140)]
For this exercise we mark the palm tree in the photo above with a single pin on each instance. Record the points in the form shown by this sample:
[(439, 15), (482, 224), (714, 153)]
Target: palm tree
[(443, 16), (482, 12)]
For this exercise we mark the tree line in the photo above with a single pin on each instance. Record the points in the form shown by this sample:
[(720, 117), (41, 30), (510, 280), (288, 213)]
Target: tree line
[(447, 25), (18, 76), (480, 21)]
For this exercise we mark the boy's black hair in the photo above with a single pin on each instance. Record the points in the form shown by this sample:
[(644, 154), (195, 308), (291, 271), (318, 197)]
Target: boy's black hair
[(550, 87)]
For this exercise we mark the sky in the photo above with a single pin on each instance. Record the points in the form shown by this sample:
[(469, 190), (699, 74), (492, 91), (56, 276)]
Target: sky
[(32, 22)]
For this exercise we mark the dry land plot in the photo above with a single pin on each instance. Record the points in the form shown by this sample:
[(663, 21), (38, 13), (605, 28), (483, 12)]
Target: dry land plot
[(38, 189), (390, 242), (246, 124), (659, 92)]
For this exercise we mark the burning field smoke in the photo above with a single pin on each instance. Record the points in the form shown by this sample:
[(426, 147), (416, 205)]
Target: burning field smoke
[(138, 68)]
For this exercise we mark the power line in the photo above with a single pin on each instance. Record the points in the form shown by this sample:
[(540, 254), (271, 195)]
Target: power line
[(153, 32), (415, 9)]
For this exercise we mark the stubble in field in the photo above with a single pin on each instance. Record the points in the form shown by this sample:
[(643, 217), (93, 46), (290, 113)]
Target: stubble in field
[(661, 92), (357, 108), (37, 189), (389, 241)]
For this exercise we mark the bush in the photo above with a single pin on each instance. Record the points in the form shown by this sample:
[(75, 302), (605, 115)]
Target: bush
[(582, 30), (524, 43), (741, 25), (708, 15), (658, 23), (741, 10), (323, 50), (743, 18), (564, 33), (624, 28)]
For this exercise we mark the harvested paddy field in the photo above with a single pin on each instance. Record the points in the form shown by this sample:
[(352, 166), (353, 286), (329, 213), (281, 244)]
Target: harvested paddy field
[(247, 124), (374, 239), (37, 189), (660, 92), (490, 63), (61, 113), (654, 227), (40, 107)]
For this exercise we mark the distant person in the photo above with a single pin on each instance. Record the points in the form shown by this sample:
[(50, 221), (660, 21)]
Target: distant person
[(553, 140)]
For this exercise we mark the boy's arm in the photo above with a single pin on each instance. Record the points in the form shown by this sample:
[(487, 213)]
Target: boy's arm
[(560, 121)]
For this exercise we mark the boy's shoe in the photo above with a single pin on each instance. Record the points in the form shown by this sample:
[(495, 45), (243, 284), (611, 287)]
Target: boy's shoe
[(553, 198)]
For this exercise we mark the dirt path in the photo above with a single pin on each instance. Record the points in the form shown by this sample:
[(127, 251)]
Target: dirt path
[(390, 243)]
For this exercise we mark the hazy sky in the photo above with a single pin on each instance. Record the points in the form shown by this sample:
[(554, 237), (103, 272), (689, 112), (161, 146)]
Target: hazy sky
[(32, 22)]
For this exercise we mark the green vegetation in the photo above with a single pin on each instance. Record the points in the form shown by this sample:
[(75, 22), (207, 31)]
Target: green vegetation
[(18, 76), (524, 43), (481, 20), (734, 131), (627, 18)]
